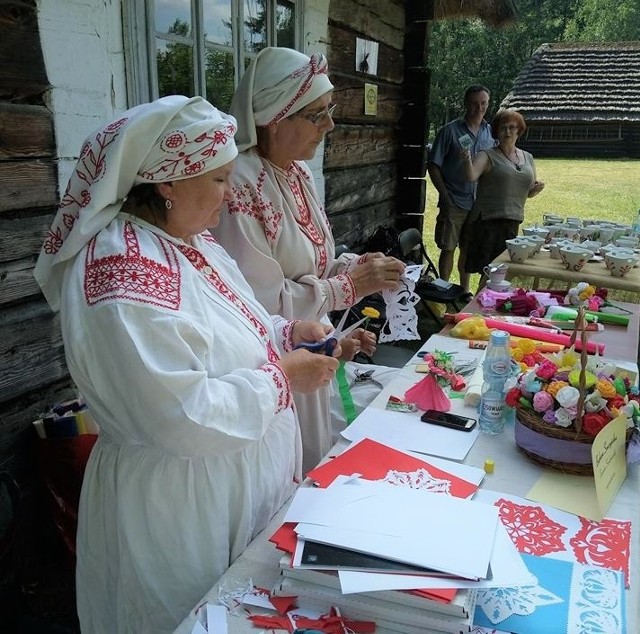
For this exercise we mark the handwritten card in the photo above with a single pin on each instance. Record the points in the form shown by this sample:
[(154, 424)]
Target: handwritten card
[(609, 461)]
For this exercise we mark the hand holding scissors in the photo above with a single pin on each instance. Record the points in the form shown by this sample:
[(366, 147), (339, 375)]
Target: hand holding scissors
[(329, 343)]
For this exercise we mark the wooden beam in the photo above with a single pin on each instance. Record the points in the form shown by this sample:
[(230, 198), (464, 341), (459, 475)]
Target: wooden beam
[(354, 146), (22, 71), (359, 187), (25, 131), (28, 184), (31, 350)]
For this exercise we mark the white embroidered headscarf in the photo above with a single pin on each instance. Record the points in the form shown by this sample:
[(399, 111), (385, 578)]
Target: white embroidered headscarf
[(279, 82), (172, 138)]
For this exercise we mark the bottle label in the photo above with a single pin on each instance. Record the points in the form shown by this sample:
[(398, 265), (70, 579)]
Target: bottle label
[(491, 409), (501, 366)]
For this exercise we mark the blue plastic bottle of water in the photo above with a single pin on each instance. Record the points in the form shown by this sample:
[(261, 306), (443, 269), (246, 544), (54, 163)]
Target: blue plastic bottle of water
[(496, 369)]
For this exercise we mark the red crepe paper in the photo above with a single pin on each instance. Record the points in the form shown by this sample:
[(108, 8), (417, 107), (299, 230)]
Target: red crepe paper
[(530, 332), (427, 394)]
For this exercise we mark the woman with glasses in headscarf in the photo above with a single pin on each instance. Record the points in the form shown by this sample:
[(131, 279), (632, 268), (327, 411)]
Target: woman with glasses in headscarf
[(274, 224), (186, 373)]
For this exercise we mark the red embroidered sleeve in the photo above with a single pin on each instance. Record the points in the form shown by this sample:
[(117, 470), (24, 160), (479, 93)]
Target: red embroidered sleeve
[(341, 292), (287, 335), (281, 381)]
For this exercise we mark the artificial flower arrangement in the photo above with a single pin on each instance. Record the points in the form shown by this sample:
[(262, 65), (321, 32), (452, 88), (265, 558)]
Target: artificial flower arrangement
[(551, 389), (564, 400)]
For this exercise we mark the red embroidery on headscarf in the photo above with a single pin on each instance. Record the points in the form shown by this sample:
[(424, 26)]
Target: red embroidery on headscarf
[(211, 275), (91, 168), (251, 202), (132, 276), (317, 66), (190, 156)]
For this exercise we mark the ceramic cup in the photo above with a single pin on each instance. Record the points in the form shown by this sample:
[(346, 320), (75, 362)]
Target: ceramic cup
[(574, 257), (537, 241), (565, 231), (551, 219), (574, 222), (519, 249), (495, 273), (554, 247), (627, 241), (542, 232), (606, 234), (620, 262)]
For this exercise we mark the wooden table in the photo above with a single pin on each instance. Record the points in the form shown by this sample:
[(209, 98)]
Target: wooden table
[(542, 266), (514, 474)]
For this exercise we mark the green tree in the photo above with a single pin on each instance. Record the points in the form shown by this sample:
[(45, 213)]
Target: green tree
[(605, 21), (175, 64), (463, 52)]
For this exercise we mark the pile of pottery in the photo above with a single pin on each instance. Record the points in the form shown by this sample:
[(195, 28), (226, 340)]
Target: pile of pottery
[(576, 242)]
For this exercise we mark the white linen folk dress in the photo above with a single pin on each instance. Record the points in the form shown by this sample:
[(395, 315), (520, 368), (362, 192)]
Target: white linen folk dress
[(194, 454), (276, 229)]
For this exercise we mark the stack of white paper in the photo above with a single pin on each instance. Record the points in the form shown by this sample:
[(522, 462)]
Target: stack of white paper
[(462, 541)]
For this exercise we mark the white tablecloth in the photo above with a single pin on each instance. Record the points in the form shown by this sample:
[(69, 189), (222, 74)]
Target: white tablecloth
[(513, 474)]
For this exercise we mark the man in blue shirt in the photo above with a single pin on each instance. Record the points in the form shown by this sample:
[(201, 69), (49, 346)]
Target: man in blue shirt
[(457, 194)]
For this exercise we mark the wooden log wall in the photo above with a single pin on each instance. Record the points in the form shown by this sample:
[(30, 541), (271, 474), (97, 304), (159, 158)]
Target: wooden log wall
[(361, 179), (34, 373)]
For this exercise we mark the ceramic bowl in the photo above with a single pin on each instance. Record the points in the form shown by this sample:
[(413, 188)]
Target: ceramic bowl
[(500, 287), (519, 249), (574, 257), (565, 231), (542, 232), (551, 219), (619, 262), (626, 241), (554, 247)]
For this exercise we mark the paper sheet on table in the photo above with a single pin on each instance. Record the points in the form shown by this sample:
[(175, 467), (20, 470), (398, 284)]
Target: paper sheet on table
[(378, 462), (573, 493), (507, 567), (408, 525), (408, 432), (594, 496)]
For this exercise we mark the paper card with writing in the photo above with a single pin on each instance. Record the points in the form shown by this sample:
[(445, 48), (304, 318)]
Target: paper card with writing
[(539, 529), (376, 461), (609, 461), (465, 141), (572, 597)]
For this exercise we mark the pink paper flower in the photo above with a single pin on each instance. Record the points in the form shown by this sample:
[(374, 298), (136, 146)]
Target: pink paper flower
[(542, 402), (546, 370)]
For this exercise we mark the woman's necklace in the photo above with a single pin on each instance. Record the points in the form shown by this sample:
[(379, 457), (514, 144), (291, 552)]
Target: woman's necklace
[(516, 163)]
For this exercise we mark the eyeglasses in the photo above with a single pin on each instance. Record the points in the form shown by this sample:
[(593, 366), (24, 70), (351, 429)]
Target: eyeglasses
[(318, 117), (509, 128)]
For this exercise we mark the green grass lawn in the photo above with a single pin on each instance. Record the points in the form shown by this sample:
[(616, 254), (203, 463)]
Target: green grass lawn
[(598, 189)]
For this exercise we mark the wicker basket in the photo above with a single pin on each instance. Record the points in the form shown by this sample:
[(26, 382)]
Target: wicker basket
[(564, 449)]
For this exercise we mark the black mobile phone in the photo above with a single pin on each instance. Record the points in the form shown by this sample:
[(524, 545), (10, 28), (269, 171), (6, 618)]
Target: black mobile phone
[(446, 419)]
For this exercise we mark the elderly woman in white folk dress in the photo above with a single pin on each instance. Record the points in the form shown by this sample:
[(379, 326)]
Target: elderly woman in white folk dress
[(185, 371), (275, 226)]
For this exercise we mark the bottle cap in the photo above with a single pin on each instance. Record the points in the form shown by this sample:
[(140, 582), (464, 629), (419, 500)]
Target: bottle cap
[(489, 465), (499, 337)]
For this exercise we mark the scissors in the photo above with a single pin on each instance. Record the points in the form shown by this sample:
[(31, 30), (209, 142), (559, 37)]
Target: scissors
[(329, 343)]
